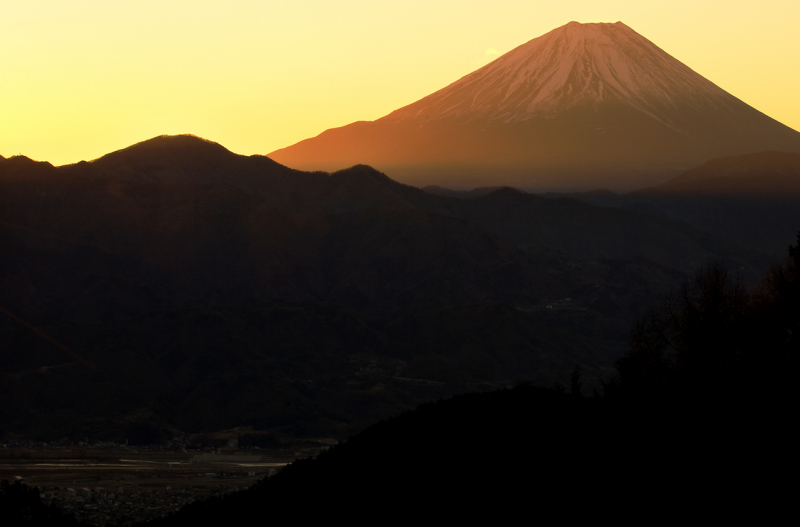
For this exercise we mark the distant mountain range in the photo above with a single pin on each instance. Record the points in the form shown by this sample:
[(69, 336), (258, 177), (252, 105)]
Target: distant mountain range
[(764, 174), (176, 283), (584, 106), (751, 200)]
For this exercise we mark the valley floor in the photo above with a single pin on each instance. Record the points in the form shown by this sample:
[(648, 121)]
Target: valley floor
[(117, 485)]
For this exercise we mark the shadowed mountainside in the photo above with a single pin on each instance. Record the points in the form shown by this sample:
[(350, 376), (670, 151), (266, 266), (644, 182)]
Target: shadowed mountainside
[(166, 281), (697, 421), (775, 174), (751, 200)]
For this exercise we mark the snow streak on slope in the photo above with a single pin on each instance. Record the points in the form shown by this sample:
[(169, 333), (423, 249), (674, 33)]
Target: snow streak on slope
[(576, 65)]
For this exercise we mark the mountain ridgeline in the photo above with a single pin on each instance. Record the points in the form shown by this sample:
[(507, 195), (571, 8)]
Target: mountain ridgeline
[(584, 106), (174, 286), (751, 200), (176, 283)]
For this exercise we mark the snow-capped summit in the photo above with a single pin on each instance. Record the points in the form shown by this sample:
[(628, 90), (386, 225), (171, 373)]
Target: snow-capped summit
[(574, 65), (585, 105)]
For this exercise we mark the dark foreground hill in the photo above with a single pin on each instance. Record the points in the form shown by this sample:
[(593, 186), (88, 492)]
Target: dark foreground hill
[(503, 455), (21, 505), (181, 285), (699, 421)]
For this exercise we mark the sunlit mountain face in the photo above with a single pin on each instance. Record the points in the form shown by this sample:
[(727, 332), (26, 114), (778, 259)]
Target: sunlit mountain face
[(583, 106)]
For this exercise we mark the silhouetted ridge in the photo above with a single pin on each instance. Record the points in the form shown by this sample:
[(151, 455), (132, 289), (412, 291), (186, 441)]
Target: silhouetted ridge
[(24, 162), (22, 166), (193, 269), (504, 189), (364, 174), (762, 173), (440, 191), (497, 192), (474, 193), (184, 151), (167, 148)]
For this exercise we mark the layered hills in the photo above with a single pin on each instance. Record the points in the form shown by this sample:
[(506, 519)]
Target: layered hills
[(708, 378), (179, 284), (751, 200), (583, 106)]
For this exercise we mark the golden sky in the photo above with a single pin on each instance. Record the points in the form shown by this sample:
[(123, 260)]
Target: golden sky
[(81, 78)]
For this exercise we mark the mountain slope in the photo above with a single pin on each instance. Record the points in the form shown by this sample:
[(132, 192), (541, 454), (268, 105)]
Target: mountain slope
[(222, 289), (752, 200), (775, 174), (583, 106)]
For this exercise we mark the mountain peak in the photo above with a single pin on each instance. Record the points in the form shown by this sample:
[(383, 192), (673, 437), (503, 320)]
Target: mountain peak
[(571, 66), (169, 146), (589, 25), (583, 106), (23, 163), (167, 152)]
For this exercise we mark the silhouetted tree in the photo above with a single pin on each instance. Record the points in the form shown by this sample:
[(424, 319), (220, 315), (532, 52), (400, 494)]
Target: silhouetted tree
[(693, 340), (715, 339), (778, 303), (575, 381)]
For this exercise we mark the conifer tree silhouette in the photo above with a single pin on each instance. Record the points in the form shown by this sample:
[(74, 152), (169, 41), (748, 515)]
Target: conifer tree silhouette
[(714, 338)]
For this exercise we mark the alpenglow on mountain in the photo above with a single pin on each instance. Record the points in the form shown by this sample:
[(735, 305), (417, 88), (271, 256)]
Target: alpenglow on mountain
[(583, 106)]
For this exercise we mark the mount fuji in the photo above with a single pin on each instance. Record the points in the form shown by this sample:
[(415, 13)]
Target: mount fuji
[(583, 106)]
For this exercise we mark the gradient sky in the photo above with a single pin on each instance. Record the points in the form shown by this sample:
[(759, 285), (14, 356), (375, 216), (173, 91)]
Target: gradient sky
[(82, 78)]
